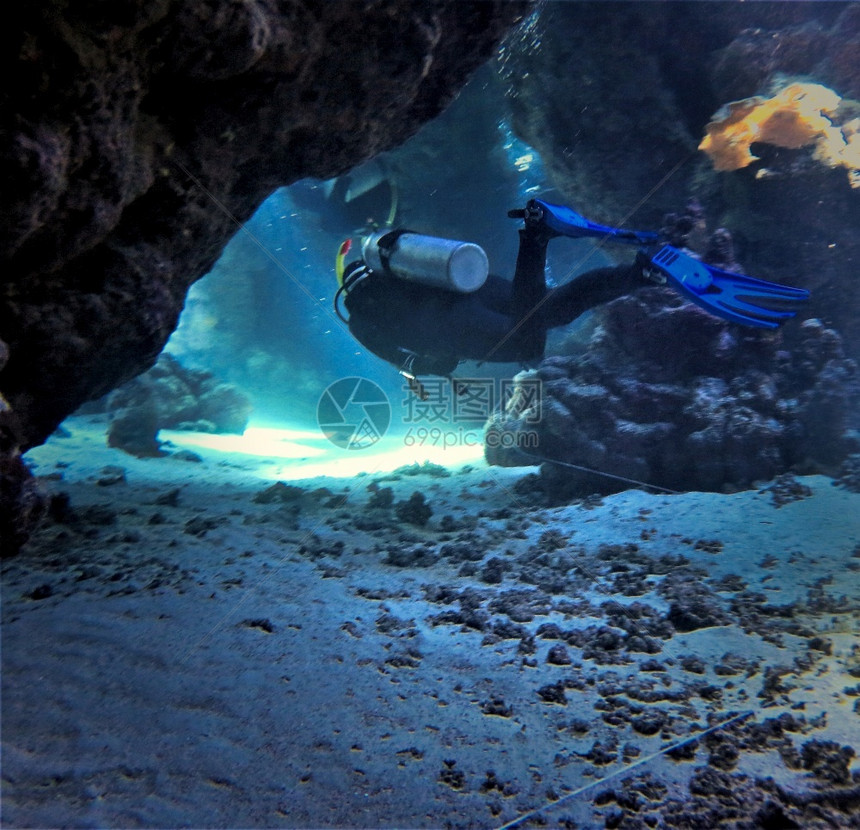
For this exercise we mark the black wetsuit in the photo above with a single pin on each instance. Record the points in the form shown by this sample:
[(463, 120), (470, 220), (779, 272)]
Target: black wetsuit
[(428, 330)]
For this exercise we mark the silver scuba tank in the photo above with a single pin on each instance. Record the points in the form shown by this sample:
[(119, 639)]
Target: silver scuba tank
[(444, 263)]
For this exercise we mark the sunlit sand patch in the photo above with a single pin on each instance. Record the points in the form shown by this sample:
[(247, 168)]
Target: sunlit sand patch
[(309, 453)]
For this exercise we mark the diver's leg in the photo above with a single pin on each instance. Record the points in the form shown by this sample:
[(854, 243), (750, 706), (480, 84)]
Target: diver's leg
[(593, 288), (529, 284), (527, 338)]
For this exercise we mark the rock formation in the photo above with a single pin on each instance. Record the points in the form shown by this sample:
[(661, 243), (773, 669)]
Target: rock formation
[(618, 97), (171, 396), (795, 211), (667, 395), (138, 135)]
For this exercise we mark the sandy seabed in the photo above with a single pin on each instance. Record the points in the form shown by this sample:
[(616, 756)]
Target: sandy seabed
[(188, 644)]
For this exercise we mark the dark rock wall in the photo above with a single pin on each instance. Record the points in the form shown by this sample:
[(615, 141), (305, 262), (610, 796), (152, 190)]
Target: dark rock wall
[(793, 218), (137, 134), (616, 98), (593, 100), (618, 95), (115, 107)]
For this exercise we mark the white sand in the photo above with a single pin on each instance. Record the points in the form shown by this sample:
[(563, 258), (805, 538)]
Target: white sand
[(135, 693)]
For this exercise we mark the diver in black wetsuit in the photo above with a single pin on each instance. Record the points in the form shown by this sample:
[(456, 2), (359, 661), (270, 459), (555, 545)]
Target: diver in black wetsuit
[(427, 330), (423, 329)]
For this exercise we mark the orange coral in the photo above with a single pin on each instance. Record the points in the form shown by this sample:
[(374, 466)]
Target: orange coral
[(841, 146), (795, 117)]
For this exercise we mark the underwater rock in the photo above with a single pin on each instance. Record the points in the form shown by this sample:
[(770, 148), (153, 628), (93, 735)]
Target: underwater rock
[(381, 498), (767, 203), (553, 693), (417, 557), (828, 760), (692, 604), (415, 510), (650, 722), (111, 475), (609, 158), (184, 398), (680, 63), (454, 778), (170, 498), (570, 99), (785, 489), (262, 624), (823, 49), (428, 468), (279, 492), (729, 408), (135, 430), (717, 797), (187, 455), (493, 571), (315, 547), (200, 525), (41, 592), (472, 549), (22, 503), (137, 135), (99, 514), (170, 396), (849, 474), (558, 655)]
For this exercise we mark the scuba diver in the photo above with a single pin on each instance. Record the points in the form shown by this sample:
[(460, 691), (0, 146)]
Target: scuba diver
[(425, 304)]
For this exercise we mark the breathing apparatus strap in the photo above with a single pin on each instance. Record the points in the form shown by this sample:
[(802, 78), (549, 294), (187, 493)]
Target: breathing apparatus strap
[(351, 276), (386, 245), (407, 371)]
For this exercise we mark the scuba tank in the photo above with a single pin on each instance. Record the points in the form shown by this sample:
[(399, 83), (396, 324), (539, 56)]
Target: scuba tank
[(444, 263)]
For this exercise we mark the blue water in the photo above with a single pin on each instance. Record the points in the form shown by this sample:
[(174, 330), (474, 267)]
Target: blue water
[(245, 633)]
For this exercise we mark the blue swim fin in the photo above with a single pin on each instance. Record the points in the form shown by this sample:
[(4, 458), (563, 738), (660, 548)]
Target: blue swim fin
[(734, 297), (567, 222)]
